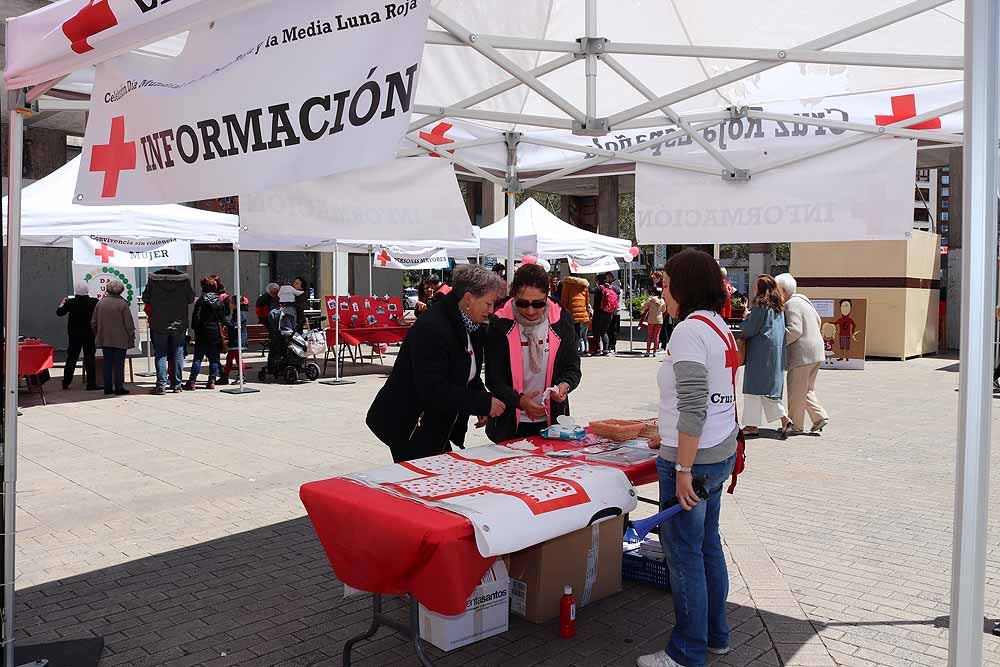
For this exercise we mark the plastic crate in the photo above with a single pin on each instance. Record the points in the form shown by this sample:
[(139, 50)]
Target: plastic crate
[(642, 570)]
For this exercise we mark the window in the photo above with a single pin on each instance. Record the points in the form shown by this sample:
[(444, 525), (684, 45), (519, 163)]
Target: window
[(944, 216), (921, 215), (921, 194)]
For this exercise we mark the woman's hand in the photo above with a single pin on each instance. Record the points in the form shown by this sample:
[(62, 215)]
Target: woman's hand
[(562, 394), (482, 421), (497, 408), (685, 491), (528, 404), (655, 441)]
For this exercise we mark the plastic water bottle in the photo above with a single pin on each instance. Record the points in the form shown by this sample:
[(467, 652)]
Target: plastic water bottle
[(567, 614)]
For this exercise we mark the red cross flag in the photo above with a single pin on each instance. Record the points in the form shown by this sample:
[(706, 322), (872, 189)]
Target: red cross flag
[(201, 124), (410, 258), (512, 500), (111, 251)]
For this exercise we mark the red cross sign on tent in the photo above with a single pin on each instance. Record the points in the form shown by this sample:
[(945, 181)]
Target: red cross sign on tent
[(202, 124)]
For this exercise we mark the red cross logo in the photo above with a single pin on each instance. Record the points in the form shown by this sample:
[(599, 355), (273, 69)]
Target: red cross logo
[(543, 486), (96, 16), (732, 356), (575, 266), (105, 253), (384, 258), (903, 107), (113, 157), (436, 136)]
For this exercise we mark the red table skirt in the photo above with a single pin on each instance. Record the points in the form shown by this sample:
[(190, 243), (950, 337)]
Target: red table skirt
[(382, 543), (369, 335), (34, 357)]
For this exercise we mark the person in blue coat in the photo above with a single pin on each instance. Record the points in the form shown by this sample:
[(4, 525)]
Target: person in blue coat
[(763, 329)]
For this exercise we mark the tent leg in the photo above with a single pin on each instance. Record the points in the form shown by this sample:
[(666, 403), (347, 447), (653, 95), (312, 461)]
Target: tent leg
[(149, 354), (371, 285), (513, 186), (337, 380), (979, 265), (242, 388)]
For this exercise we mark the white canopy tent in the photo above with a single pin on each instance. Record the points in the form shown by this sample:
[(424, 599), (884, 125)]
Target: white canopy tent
[(50, 218), (536, 231), (690, 66)]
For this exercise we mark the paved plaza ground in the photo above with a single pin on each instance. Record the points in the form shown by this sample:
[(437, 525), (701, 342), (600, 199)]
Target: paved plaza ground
[(171, 525)]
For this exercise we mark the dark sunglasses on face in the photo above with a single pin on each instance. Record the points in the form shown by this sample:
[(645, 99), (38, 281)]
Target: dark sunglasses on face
[(524, 303)]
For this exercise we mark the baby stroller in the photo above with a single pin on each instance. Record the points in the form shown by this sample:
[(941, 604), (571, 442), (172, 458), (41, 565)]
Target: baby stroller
[(286, 352)]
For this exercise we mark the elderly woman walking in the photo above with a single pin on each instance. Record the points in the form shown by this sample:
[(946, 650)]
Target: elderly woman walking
[(763, 329), (435, 384), (114, 333), (805, 353)]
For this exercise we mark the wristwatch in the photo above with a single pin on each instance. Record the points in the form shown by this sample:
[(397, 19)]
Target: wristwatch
[(679, 468)]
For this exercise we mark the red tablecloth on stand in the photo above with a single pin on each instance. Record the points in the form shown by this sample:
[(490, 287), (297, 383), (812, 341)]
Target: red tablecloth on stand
[(382, 543), (33, 357), (372, 335)]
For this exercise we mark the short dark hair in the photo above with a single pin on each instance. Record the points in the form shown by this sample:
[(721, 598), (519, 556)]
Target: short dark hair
[(529, 275), (695, 282)]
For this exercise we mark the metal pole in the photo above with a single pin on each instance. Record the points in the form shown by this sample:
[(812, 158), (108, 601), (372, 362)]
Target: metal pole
[(628, 307), (13, 308), (979, 265), (371, 285), (590, 29), (337, 380), (242, 389), (513, 186)]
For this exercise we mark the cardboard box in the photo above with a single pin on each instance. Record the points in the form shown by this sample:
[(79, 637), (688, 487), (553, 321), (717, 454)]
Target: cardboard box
[(589, 560), (487, 614)]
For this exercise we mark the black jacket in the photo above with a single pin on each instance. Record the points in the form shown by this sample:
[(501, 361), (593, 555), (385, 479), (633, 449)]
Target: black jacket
[(80, 309), (168, 294), (428, 399), (208, 315), (499, 375)]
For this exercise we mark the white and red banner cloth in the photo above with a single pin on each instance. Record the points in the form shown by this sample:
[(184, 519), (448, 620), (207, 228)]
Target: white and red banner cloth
[(110, 251), (864, 192), (594, 264), (513, 500), (388, 257), (243, 108)]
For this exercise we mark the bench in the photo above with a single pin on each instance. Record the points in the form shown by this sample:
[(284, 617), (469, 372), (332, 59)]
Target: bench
[(257, 334)]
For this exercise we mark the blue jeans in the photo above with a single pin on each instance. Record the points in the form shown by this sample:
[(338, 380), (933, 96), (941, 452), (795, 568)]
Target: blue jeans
[(698, 576), (114, 368), (169, 346), (583, 328), (206, 350)]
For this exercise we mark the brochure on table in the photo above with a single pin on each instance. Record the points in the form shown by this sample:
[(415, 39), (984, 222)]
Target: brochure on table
[(358, 312)]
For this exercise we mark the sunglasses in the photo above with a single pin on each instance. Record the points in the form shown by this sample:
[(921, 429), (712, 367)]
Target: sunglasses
[(524, 303)]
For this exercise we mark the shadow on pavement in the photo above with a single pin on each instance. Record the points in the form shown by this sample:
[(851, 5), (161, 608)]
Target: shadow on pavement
[(269, 597)]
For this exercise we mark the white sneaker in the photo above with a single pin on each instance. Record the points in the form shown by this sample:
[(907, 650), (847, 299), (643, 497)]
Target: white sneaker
[(660, 659), (719, 651)]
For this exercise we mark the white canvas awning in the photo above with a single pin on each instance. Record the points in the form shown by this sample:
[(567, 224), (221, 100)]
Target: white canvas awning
[(49, 217), (538, 232)]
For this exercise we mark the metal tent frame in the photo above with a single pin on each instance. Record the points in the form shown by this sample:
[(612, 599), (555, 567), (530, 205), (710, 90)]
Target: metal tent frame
[(982, 27)]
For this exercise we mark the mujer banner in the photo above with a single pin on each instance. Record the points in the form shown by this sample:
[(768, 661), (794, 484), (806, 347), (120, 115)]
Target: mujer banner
[(109, 251), (244, 107)]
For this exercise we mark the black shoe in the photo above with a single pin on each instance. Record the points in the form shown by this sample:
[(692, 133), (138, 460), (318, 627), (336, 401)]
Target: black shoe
[(122, 392), (94, 388), (109, 392), (177, 388), (158, 391), (65, 386), (224, 380)]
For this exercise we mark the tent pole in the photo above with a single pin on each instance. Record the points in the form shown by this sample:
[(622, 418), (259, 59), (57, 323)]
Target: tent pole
[(337, 380), (979, 266), (242, 389), (513, 187), (371, 285), (11, 322)]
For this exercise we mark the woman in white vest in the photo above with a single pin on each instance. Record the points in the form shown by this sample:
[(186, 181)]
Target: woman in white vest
[(698, 438)]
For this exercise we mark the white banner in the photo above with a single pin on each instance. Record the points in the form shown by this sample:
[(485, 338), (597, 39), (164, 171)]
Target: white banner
[(513, 501), (246, 105), (600, 264), (394, 258), (98, 277), (858, 193), (109, 251)]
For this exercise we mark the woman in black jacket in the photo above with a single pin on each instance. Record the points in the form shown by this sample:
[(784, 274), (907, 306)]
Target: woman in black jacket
[(207, 320), (435, 384), (530, 347)]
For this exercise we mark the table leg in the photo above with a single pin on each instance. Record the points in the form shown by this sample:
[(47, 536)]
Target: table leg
[(411, 630)]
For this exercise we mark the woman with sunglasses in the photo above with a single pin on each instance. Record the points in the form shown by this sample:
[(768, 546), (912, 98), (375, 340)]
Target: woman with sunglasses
[(530, 348)]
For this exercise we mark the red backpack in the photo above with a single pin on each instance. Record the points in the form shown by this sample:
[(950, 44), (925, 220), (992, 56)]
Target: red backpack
[(733, 361), (609, 300)]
